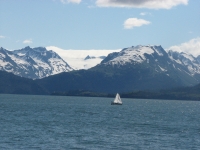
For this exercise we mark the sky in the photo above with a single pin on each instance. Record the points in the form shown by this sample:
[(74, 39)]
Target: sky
[(100, 24)]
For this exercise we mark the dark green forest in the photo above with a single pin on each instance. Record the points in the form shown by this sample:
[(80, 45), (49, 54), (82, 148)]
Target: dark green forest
[(187, 93), (12, 84)]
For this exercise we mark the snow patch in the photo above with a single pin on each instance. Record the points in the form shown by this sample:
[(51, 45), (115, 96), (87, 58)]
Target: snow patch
[(2, 56), (18, 60), (162, 69), (21, 54), (159, 52)]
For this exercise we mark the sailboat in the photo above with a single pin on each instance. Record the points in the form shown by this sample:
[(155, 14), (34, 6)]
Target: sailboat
[(117, 100)]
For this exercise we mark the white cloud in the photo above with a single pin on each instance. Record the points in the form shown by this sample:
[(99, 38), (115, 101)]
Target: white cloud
[(152, 4), (192, 47), (28, 41), (70, 1), (2, 37), (134, 22)]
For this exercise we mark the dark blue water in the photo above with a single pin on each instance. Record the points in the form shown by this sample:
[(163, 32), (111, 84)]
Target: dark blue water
[(59, 123)]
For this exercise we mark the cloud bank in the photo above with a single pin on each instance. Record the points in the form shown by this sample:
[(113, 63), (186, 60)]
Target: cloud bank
[(75, 58), (134, 22), (151, 4), (192, 47)]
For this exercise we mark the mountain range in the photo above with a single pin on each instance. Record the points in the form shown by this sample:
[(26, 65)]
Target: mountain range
[(32, 62), (131, 69), (135, 68)]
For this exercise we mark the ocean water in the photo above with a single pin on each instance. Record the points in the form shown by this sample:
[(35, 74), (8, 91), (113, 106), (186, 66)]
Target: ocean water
[(60, 123)]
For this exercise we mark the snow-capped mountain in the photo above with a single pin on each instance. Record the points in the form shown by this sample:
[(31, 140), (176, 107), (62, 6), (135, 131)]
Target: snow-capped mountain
[(134, 55), (189, 61), (32, 62), (152, 67), (162, 60), (132, 69)]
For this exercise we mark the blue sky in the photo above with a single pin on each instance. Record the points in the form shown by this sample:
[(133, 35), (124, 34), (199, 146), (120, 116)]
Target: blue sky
[(99, 24)]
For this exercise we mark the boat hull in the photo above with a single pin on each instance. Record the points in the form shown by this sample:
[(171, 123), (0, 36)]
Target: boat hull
[(112, 103)]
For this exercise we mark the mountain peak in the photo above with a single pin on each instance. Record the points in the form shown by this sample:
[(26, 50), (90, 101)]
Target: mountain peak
[(27, 47), (39, 49), (89, 57), (134, 54), (33, 62)]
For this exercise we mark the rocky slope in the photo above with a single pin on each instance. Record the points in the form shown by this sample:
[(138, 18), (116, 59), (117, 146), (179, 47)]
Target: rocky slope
[(32, 62)]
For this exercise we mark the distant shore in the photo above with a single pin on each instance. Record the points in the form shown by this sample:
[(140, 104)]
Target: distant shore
[(170, 95)]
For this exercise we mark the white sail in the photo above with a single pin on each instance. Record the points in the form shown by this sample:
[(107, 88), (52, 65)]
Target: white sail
[(118, 99)]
